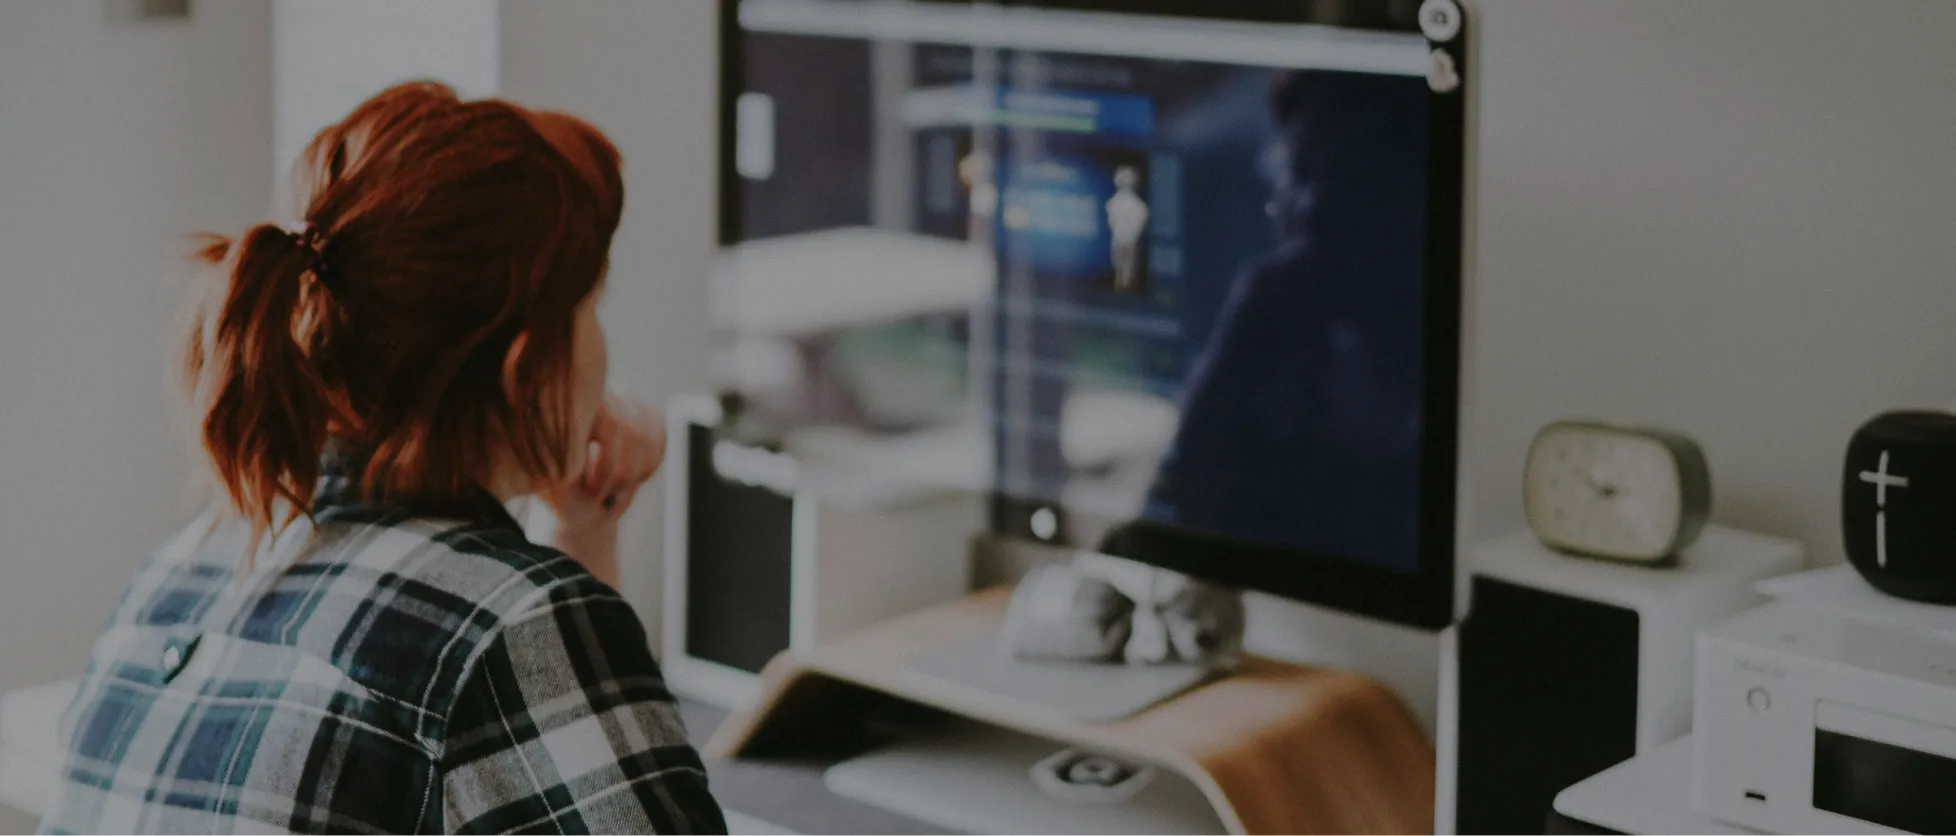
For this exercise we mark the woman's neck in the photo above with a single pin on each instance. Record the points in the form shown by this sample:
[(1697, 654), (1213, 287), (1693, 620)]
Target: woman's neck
[(508, 480)]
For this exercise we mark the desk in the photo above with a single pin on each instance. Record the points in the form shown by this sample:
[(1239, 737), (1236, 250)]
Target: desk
[(785, 795), (1650, 793)]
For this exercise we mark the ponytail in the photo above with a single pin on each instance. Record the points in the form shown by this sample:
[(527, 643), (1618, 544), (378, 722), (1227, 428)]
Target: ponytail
[(440, 232), (263, 404)]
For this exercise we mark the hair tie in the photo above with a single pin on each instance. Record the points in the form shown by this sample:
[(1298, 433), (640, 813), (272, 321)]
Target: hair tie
[(313, 239)]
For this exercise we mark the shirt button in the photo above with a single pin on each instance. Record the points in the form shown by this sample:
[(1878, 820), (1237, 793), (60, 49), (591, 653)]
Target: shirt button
[(176, 653)]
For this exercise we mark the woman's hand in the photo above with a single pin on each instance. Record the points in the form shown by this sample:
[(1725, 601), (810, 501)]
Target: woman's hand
[(626, 447)]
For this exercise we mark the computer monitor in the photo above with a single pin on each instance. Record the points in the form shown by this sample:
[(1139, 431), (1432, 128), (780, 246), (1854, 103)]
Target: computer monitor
[(1221, 244)]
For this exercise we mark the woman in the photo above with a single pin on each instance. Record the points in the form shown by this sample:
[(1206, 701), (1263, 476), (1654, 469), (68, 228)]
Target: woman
[(361, 638)]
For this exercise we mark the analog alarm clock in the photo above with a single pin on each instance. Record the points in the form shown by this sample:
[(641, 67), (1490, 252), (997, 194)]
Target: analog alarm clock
[(1625, 493)]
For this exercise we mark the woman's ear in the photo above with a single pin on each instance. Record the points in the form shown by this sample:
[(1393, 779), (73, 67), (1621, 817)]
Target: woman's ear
[(512, 360)]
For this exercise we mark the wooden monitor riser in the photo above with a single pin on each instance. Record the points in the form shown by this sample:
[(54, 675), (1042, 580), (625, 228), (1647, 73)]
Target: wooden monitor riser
[(1276, 747)]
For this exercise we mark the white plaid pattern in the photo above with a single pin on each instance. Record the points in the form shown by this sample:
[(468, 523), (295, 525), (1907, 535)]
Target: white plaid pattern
[(380, 672)]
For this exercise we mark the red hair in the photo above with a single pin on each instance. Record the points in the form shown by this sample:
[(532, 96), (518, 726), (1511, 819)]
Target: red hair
[(436, 233)]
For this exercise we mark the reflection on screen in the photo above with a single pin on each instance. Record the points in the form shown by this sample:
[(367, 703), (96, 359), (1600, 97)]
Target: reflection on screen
[(1206, 276)]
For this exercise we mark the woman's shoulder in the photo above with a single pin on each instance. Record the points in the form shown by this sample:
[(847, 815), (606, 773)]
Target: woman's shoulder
[(180, 581), (490, 569), (469, 578), (402, 604), (415, 602), (493, 564)]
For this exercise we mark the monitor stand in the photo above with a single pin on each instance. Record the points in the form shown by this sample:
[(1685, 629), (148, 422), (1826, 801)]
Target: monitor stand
[(1272, 746), (1081, 691)]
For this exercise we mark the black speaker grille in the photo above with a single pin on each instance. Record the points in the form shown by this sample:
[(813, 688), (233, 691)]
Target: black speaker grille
[(739, 556), (1548, 697)]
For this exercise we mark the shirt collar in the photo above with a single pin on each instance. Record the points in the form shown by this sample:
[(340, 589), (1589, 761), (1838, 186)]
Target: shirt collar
[(338, 493)]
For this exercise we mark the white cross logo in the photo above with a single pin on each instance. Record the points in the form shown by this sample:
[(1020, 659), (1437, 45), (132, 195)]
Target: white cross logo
[(1882, 480)]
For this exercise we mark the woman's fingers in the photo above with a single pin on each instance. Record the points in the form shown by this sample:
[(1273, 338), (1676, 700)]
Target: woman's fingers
[(606, 436), (645, 439), (626, 447)]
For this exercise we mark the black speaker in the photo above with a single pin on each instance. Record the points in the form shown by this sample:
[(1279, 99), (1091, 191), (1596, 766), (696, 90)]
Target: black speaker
[(1548, 696), (1567, 666), (1898, 504), (739, 555)]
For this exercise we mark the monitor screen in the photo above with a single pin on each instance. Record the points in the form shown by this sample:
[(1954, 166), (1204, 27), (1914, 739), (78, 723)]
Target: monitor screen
[(1219, 327)]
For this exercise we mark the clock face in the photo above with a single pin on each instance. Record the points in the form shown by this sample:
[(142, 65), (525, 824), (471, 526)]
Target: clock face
[(1608, 492)]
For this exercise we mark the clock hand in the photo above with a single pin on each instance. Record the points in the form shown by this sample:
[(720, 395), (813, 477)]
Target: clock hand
[(1603, 489)]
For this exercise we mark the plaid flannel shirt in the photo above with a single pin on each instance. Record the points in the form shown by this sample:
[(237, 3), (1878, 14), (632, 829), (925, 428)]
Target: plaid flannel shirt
[(379, 671)]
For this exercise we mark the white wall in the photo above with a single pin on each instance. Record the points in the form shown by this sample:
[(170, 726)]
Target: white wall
[(121, 137), (117, 139), (1736, 218), (328, 56), (644, 73)]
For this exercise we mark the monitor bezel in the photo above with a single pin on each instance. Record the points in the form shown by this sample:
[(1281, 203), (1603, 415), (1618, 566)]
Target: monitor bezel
[(1424, 598)]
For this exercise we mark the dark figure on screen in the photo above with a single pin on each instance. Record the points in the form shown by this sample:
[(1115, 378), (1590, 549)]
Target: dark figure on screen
[(1301, 421)]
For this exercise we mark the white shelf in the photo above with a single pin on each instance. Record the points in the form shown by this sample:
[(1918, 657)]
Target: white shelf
[(1113, 440), (853, 468), (1718, 553), (836, 278)]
